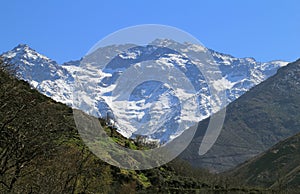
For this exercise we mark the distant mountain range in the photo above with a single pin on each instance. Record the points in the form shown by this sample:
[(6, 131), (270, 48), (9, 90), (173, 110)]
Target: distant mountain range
[(266, 114), (57, 81)]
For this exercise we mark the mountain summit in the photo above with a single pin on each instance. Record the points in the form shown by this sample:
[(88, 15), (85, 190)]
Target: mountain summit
[(44, 74), (57, 81)]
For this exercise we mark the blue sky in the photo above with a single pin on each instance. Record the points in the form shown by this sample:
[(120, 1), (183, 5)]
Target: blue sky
[(65, 30)]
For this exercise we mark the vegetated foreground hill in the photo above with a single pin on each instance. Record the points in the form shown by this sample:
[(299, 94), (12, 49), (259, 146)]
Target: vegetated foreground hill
[(41, 152), (278, 167), (259, 119)]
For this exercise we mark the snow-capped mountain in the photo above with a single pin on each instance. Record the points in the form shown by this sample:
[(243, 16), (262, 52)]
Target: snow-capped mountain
[(44, 74), (149, 100)]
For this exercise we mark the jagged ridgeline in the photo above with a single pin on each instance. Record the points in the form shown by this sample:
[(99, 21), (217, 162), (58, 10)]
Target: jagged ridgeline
[(41, 152)]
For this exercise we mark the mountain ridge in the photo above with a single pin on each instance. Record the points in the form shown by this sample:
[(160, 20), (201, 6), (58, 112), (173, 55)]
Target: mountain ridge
[(239, 76)]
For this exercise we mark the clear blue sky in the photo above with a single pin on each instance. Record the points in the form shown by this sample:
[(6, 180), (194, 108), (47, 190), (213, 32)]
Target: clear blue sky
[(64, 30)]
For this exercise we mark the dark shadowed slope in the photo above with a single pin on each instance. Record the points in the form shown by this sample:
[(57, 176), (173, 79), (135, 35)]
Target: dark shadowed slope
[(267, 114), (279, 167)]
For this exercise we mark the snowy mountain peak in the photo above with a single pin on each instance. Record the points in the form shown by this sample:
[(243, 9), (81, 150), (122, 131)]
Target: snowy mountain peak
[(40, 71), (57, 81), (22, 47), (23, 51)]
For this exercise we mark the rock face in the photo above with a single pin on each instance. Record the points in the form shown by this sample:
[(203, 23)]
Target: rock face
[(260, 118), (149, 100)]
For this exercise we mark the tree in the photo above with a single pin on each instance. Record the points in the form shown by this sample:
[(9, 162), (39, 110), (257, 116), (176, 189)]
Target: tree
[(27, 128), (7, 67)]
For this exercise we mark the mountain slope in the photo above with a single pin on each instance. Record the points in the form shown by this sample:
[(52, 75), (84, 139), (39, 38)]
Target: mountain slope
[(260, 118), (41, 152), (279, 167), (57, 82)]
